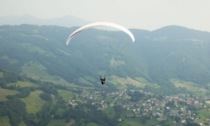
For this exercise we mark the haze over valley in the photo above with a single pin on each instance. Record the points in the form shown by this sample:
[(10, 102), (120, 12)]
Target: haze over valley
[(161, 79)]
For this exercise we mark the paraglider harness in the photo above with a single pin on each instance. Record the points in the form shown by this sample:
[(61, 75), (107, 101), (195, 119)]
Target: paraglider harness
[(102, 80)]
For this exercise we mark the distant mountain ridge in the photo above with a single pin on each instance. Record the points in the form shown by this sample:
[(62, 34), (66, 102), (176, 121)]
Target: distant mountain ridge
[(66, 21), (167, 55)]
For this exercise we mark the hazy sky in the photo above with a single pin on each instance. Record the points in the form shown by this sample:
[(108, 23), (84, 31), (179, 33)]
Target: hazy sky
[(143, 14)]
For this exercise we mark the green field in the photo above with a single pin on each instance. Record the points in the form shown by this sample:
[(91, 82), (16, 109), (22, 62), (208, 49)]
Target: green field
[(1, 74), (125, 81), (204, 114), (110, 112), (87, 80), (139, 122), (4, 121), (189, 86), (37, 71), (5, 92), (65, 94), (61, 122), (92, 124), (57, 122), (22, 124), (33, 102), (22, 84), (60, 111), (36, 49), (9, 59)]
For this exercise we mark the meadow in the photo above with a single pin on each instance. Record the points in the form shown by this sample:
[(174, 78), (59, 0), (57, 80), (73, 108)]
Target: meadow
[(5, 92), (22, 84), (33, 102), (191, 87)]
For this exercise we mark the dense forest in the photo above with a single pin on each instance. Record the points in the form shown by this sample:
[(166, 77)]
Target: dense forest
[(156, 57)]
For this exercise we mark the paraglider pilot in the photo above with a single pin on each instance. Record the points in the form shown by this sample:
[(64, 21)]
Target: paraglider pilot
[(102, 80)]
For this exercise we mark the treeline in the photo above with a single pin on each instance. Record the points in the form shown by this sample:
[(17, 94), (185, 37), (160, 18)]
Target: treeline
[(15, 108), (7, 77), (87, 113)]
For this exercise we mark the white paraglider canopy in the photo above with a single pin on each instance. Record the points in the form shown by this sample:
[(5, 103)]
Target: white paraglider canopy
[(117, 26)]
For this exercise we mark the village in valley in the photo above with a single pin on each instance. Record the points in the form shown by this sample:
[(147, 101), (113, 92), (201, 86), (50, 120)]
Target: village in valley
[(181, 108)]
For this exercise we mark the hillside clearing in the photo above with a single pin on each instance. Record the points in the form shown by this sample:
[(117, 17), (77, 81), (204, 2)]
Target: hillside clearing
[(5, 92), (33, 102)]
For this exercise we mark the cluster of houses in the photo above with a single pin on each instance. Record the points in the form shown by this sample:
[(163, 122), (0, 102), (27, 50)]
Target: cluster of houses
[(180, 108)]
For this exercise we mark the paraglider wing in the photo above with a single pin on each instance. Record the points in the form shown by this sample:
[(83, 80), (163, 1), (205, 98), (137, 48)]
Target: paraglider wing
[(100, 24)]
